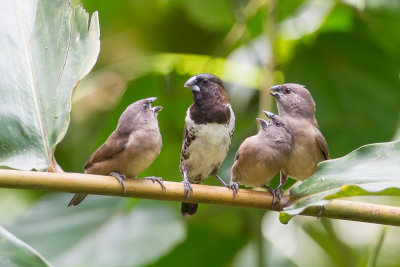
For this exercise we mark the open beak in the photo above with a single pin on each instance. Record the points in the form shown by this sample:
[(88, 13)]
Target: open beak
[(156, 109), (270, 115), (275, 91), (192, 84), (263, 123), (151, 99)]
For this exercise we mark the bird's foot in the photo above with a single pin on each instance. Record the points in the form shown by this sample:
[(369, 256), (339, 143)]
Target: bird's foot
[(276, 195), (120, 178), (234, 186), (188, 188), (158, 180)]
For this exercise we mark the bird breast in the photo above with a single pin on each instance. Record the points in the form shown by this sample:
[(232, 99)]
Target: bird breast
[(142, 149), (208, 149)]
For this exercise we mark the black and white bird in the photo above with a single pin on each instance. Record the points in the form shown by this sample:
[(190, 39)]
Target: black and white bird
[(130, 149), (209, 126)]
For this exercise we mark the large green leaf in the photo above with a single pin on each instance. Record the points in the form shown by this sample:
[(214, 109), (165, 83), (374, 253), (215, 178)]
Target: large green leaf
[(103, 231), (370, 170), (46, 48), (14, 252)]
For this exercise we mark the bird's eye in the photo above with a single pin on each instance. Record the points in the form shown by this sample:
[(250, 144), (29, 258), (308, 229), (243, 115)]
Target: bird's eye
[(288, 90), (277, 123), (145, 106), (205, 81)]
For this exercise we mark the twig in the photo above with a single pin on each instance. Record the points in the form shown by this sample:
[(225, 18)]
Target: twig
[(107, 185)]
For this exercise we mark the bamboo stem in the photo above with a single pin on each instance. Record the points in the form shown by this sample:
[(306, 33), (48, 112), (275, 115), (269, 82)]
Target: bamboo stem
[(107, 185)]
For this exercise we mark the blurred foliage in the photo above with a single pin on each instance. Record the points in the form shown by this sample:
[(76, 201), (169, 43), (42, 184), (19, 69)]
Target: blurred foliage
[(346, 52), (370, 170), (14, 252)]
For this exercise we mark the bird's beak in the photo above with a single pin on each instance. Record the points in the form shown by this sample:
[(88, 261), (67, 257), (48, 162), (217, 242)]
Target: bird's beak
[(156, 109), (192, 84), (275, 91), (263, 123), (270, 115), (276, 88), (151, 99)]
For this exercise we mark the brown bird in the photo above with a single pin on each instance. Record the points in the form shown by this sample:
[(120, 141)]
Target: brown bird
[(209, 126), (297, 107), (130, 149), (261, 156)]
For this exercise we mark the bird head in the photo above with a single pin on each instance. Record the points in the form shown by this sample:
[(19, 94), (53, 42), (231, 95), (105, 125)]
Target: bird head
[(293, 100)]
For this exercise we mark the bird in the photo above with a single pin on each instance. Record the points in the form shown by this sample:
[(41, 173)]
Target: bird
[(296, 105), (208, 131), (130, 149), (260, 157)]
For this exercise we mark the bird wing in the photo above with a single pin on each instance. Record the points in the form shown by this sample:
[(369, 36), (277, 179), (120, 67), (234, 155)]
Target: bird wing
[(115, 144), (322, 145), (188, 137)]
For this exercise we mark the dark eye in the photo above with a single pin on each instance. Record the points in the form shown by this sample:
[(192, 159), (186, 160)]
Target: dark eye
[(277, 123), (288, 90), (145, 106), (205, 81)]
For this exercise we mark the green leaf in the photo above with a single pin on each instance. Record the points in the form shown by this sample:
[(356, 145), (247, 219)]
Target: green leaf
[(14, 252), (102, 231), (370, 170), (46, 48)]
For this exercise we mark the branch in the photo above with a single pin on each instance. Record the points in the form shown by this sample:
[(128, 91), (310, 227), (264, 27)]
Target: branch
[(107, 185)]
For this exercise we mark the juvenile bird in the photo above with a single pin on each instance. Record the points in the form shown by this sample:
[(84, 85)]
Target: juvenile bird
[(297, 107), (209, 126), (263, 155), (130, 149)]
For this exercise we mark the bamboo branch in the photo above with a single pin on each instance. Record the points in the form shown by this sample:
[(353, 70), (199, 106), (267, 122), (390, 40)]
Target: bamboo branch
[(107, 185)]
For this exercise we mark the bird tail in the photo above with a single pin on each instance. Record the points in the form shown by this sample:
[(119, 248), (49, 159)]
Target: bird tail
[(188, 209), (78, 198)]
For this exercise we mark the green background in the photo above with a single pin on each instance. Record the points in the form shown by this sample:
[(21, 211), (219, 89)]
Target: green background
[(346, 52)]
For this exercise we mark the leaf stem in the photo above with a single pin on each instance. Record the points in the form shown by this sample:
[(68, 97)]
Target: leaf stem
[(377, 249)]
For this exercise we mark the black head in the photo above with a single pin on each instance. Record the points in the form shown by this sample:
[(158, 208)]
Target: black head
[(293, 100), (140, 112), (207, 87), (210, 101)]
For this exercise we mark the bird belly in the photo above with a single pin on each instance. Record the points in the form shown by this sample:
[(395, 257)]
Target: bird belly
[(301, 163), (257, 175), (207, 151), (139, 156)]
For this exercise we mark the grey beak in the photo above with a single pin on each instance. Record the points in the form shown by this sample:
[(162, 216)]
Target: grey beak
[(263, 123), (276, 88), (270, 115), (156, 109), (192, 84), (275, 94), (276, 91), (151, 99)]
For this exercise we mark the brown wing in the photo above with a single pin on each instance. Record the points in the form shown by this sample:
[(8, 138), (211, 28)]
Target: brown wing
[(188, 137), (322, 145), (114, 145)]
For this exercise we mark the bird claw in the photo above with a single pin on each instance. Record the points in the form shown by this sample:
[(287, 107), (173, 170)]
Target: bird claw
[(188, 188), (276, 195), (120, 178), (235, 187), (158, 180)]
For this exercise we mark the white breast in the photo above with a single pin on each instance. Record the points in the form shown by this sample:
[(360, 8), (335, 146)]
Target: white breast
[(208, 149)]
